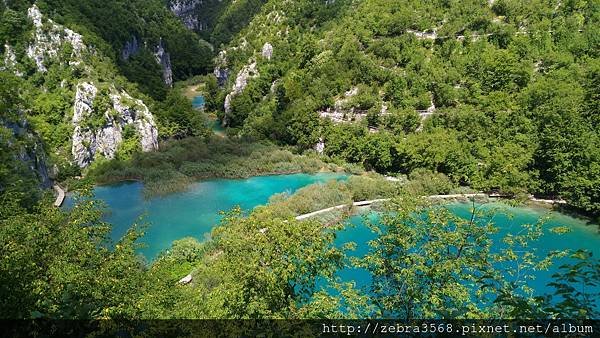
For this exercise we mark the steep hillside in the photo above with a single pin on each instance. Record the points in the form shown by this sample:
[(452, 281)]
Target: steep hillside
[(216, 21), (135, 34), (497, 95), (65, 104)]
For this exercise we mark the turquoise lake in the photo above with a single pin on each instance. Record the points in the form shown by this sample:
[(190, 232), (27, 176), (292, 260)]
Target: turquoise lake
[(509, 221), (192, 213), (195, 212), (198, 102)]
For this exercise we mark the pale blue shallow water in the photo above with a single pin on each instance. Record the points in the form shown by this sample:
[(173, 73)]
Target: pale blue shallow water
[(192, 213)]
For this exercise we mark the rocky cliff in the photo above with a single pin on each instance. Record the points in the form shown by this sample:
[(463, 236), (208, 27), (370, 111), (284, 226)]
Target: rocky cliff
[(248, 72), (134, 46), (101, 112), (186, 11), (99, 127), (49, 37), (164, 60)]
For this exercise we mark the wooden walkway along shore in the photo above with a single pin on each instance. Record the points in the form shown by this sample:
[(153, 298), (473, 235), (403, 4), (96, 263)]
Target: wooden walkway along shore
[(60, 198), (367, 203), (337, 207)]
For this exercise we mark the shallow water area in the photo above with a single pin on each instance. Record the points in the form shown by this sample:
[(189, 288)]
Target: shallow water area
[(198, 102)]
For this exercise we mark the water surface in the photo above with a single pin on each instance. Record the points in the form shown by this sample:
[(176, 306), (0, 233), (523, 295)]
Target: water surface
[(581, 236), (198, 102), (192, 213)]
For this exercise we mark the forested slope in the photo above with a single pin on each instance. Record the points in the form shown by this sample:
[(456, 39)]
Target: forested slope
[(65, 98), (497, 95)]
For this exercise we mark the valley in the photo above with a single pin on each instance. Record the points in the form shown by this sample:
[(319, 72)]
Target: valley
[(233, 144)]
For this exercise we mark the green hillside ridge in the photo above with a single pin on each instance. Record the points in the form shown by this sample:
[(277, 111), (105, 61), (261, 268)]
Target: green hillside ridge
[(217, 21), (499, 97), (60, 76)]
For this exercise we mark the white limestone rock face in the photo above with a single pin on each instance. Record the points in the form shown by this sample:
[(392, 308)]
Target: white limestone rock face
[(164, 60), (267, 51), (87, 142), (185, 11), (339, 114), (320, 146), (249, 71), (10, 61), (48, 38)]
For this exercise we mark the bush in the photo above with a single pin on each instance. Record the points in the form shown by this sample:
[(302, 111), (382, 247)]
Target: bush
[(426, 182), (365, 188)]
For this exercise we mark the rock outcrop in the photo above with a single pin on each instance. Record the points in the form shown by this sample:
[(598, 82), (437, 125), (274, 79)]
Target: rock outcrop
[(164, 60), (320, 146), (123, 110), (267, 51), (10, 61), (48, 38), (221, 71), (185, 10), (340, 113), (131, 48), (249, 71), (102, 118)]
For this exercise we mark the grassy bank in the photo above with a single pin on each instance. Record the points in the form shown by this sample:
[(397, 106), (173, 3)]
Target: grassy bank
[(179, 163)]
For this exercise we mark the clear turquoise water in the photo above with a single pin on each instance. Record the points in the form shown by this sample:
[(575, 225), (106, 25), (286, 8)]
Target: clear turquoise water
[(198, 101), (195, 212), (216, 127), (192, 213), (582, 236)]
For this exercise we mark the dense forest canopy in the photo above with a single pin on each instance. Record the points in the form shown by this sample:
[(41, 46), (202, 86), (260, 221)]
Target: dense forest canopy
[(495, 96), (510, 88)]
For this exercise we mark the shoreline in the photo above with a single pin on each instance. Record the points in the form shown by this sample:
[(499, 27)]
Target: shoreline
[(553, 204), (531, 201), (205, 178)]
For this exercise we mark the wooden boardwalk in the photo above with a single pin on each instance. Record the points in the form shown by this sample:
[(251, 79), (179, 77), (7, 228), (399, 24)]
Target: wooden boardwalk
[(368, 203)]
